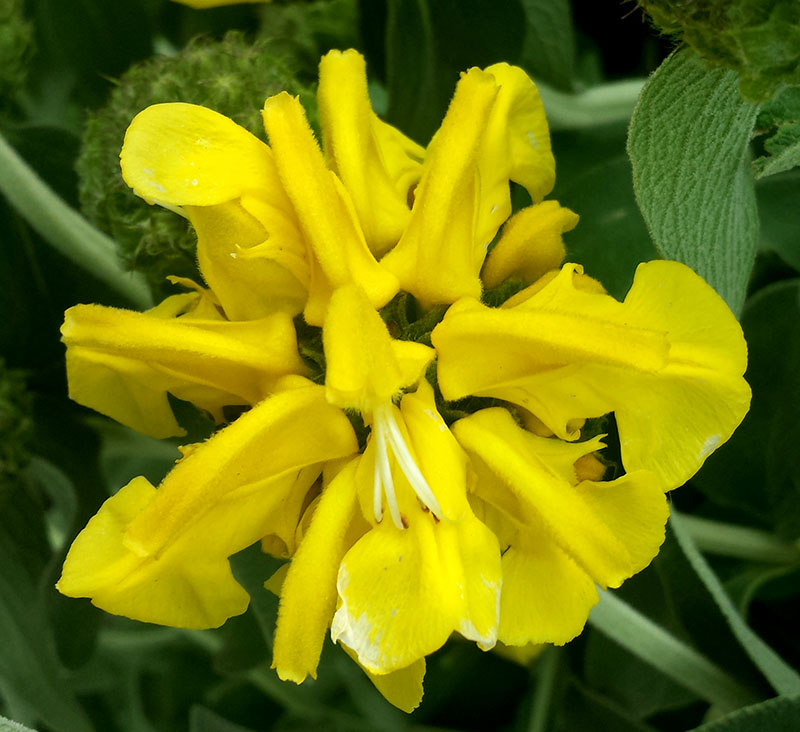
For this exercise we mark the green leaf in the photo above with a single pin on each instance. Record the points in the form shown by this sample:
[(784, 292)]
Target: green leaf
[(16, 34), (63, 227), (548, 51), (125, 454), (757, 582), (204, 720), (544, 689), (676, 660), (594, 107), (779, 215), (688, 144), (594, 180), (773, 715), (637, 686), (584, 709), (7, 725), (778, 124), (91, 40), (783, 678), (731, 540), (252, 568), (683, 604), (31, 674)]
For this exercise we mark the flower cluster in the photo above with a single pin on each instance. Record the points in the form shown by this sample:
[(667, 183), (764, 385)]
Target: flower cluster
[(414, 389)]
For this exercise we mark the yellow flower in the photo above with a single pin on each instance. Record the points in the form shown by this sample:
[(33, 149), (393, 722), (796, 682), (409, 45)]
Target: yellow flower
[(426, 466)]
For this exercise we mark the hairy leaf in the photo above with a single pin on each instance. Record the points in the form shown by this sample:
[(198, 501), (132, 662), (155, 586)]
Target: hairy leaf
[(688, 144)]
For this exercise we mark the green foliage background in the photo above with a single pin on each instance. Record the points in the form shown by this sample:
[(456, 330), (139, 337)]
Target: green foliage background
[(705, 639)]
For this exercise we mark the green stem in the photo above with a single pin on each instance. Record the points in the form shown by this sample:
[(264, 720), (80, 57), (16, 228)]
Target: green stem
[(650, 642), (546, 672), (64, 228), (783, 678), (741, 542), (603, 104)]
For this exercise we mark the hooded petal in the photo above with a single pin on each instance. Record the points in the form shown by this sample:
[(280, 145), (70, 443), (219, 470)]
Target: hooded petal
[(517, 145), (611, 530), (161, 556), (673, 380), (123, 363), (253, 272), (495, 131), (189, 156), (403, 591), (439, 257), (325, 213), (185, 155), (377, 164), (365, 366)]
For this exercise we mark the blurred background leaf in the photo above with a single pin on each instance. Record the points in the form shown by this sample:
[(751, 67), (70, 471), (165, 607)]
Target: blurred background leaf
[(763, 452), (778, 131)]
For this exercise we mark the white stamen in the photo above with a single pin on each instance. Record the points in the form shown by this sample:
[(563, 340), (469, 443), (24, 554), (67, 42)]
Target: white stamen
[(175, 209), (383, 478), (386, 429), (377, 493)]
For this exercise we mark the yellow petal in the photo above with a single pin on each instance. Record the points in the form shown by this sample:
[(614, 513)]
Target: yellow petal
[(401, 688), (546, 596), (201, 593), (668, 362), (517, 136), (326, 215), (308, 595), (702, 396), (522, 655), (177, 305), (161, 556), (182, 154), (611, 530), (285, 243), (530, 244), (274, 582), (437, 452), (403, 591), (281, 539), (439, 256), (377, 164), (202, 303), (249, 282), (365, 367), (123, 363), (557, 328)]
